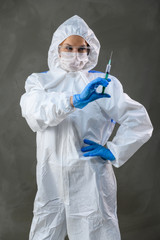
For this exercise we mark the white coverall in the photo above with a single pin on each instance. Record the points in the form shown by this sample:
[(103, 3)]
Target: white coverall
[(77, 195)]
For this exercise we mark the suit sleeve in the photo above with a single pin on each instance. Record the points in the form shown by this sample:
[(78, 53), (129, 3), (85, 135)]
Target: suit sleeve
[(135, 126), (42, 109)]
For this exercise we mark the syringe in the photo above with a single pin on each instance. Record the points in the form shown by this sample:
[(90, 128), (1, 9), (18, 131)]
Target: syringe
[(108, 68)]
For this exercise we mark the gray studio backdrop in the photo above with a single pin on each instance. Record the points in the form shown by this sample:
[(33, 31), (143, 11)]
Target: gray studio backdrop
[(129, 28)]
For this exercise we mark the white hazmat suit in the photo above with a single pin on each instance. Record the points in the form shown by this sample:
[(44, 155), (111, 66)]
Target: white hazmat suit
[(77, 195)]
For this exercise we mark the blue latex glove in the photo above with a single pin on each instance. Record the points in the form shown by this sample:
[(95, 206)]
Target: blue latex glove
[(96, 149), (89, 93)]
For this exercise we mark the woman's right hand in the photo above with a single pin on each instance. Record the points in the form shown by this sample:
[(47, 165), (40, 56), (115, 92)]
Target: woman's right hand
[(89, 93)]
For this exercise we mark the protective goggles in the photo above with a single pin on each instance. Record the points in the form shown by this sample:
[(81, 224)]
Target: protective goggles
[(70, 48)]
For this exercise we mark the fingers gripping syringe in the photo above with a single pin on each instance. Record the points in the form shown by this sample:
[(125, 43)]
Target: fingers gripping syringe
[(108, 68)]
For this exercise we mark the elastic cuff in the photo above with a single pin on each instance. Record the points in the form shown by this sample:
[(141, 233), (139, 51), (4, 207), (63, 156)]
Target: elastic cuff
[(68, 105)]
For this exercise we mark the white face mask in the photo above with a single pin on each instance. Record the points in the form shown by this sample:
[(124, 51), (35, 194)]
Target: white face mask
[(73, 61)]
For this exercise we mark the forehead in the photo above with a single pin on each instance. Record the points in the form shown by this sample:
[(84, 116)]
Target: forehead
[(75, 40)]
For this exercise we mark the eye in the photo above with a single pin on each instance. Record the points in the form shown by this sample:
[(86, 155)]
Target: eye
[(82, 49), (69, 48)]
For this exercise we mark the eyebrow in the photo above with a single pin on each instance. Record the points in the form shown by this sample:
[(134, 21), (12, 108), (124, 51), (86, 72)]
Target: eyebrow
[(72, 45)]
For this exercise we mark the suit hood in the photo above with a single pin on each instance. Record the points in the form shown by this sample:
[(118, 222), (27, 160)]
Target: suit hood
[(73, 26)]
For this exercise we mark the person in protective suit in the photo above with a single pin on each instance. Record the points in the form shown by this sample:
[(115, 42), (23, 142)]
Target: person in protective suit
[(73, 120)]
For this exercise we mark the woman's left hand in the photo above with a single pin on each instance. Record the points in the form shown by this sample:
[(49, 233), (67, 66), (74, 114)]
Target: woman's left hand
[(96, 149)]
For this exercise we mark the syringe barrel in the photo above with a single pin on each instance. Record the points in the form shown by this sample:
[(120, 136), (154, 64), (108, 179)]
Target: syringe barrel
[(108, 68)]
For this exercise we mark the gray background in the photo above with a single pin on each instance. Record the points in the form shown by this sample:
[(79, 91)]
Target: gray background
[(131, 30)]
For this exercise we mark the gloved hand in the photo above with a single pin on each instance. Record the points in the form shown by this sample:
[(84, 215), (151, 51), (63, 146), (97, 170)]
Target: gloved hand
[(89, 93), (96, 149)]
